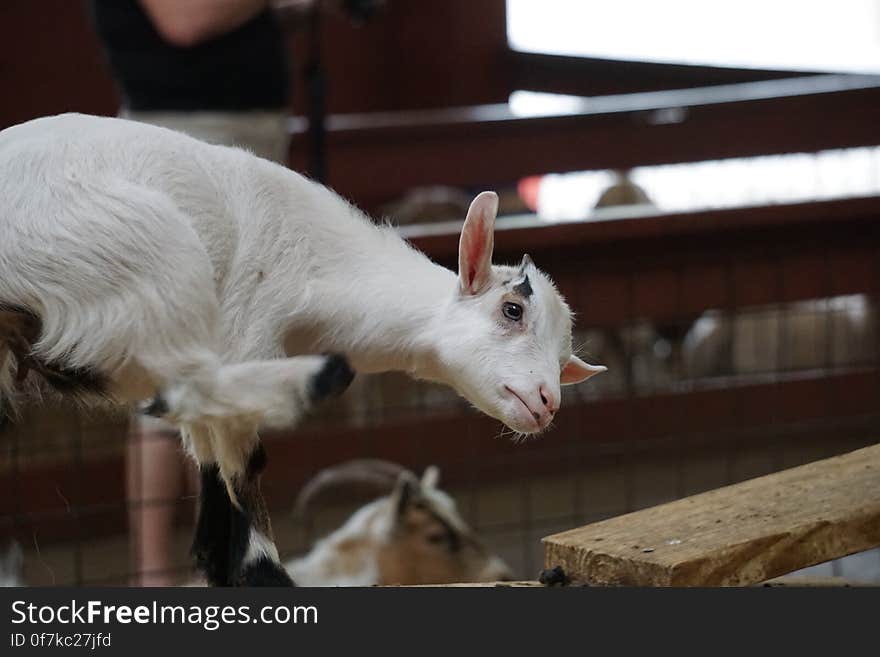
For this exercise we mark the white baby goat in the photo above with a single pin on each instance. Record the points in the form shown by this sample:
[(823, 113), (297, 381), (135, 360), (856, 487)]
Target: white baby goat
[(139, 263)]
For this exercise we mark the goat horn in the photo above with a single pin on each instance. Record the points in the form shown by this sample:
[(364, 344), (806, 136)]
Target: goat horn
[(364, 475)]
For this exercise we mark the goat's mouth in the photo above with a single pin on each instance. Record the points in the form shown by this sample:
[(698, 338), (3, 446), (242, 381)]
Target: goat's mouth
[(525, 419)]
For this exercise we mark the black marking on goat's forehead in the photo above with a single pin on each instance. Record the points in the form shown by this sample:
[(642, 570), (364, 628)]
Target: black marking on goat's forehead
[(524, 288), (542, 289)]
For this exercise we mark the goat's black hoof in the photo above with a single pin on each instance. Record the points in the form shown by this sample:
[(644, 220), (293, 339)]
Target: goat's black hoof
[(264, 572), (553, 576), (333, 378), (211, 564)]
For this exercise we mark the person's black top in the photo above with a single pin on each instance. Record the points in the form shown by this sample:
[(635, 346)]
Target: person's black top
[(244, 69)]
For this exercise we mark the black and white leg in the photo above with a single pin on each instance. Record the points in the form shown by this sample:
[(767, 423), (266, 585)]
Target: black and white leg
[(233, 542), (211, 540), (254, 559)]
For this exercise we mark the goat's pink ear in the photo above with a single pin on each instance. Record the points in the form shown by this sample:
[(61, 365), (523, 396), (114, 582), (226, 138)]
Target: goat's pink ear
[(477, 241), (576, 370)]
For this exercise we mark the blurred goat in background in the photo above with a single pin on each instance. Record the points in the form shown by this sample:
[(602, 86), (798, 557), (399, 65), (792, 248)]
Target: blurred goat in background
[(412, 535)]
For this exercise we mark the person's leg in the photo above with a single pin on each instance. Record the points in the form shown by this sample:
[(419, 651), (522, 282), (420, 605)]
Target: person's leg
[(155, 468)]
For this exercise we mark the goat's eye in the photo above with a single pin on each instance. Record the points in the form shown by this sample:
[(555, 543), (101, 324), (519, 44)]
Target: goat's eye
[(446, 538), (512, 311)]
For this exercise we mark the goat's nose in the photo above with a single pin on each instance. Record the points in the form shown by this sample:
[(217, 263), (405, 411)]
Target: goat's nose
[(548, 398)]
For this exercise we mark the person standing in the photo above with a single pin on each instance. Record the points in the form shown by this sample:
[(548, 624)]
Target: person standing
[(218, 70)]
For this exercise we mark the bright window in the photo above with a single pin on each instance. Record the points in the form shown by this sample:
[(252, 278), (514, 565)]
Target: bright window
[(808, 35), (788, 178)]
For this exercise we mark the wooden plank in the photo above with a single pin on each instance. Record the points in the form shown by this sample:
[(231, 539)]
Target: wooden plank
[(792, 581), (737, 535), (786, 581), (588, 76), (477, 585), (360, 125)]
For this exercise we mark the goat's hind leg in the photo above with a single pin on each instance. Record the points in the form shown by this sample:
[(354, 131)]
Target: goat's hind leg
[(233, 541), (233, 545), (210, 546), (254, 559)]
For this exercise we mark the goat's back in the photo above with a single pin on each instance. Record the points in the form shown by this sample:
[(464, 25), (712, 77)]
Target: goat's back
[(106, 222)]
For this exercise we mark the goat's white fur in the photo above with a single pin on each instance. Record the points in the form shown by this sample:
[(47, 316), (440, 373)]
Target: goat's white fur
[(202, 262)]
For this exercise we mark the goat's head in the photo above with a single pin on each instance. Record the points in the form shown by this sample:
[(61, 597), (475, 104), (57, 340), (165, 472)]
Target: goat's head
[(412, 535), (428, 542), (505, 342)]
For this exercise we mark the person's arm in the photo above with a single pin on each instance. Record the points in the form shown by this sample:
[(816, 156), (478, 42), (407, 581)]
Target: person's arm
[(189, 22)]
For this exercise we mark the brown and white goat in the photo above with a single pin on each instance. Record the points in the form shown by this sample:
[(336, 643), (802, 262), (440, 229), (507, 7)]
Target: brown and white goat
[(412, 535)]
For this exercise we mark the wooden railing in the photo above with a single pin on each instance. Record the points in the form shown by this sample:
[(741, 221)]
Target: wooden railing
[(376, 157)]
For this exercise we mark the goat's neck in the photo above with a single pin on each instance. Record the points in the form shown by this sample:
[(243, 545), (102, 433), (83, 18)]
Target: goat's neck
[(380, 303)]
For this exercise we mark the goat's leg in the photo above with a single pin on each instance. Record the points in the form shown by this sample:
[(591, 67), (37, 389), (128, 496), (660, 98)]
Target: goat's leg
[(273, 392), (233, 541), (210, 547), (251, 558), (233, 545), (254, 559)]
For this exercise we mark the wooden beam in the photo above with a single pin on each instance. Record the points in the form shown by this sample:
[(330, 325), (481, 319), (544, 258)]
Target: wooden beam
[(616, 226), (489, 145), (793, 581), (737, 535), (591, 76), (787, 582), (527, 583)]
